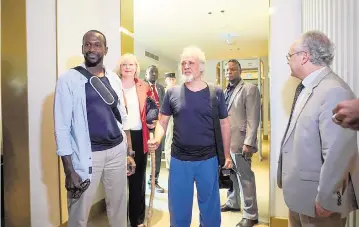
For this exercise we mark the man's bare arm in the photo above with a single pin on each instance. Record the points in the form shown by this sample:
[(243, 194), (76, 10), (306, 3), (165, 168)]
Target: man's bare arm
[(67, 163), (226, 136), (161, 127)]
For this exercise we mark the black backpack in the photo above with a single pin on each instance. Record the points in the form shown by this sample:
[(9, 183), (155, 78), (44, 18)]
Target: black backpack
[(224, 180)]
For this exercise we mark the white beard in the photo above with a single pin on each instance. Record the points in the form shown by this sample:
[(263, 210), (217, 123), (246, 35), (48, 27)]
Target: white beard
[(186, 79)]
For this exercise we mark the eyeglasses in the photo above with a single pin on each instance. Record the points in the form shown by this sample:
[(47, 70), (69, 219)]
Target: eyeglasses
[(288, 56)]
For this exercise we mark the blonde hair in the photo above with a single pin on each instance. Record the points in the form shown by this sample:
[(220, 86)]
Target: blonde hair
[(124, 58)]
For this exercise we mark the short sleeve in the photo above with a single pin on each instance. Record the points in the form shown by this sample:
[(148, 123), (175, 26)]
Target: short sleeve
[(222, 108), (166, 105)]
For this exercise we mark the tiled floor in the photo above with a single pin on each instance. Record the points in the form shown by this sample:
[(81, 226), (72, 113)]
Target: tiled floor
[(160, 216)]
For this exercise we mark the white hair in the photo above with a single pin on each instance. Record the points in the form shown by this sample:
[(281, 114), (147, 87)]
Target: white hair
[(124, 58), (319, 47), (193, 51)]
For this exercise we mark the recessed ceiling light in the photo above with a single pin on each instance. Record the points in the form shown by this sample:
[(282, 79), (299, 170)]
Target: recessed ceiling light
[(222, 11), (209, 13)]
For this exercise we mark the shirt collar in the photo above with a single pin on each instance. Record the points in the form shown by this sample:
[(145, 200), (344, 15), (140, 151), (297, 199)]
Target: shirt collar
[(311, 77), (229, 86), (103, 66), (152, 83)]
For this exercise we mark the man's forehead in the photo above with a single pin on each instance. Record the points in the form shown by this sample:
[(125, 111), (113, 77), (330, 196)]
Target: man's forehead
[(152, 68), (295, 45), (231, 64), (93, 35), (189, 58)]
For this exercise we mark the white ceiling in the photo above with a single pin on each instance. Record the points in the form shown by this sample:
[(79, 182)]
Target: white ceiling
[(167, 26)]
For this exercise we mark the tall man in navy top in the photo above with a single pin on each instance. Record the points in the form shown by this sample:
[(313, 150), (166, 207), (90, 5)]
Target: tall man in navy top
[(193, 155), (91, 135), (243, 104), (158, 92)]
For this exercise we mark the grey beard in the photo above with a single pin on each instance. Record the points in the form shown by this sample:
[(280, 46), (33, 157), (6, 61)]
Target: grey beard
[(186, 79)]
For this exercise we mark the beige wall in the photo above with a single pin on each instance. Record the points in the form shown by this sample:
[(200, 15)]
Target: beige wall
[(41, 81)]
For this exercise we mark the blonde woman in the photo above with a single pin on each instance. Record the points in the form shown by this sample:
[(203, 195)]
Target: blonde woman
[(136, 92)]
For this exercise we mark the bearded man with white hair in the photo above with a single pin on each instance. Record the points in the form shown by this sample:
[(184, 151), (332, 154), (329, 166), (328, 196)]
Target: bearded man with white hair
[(194, 153)]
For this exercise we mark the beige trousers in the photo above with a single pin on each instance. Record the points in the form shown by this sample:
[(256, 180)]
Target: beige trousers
[(168, 142), (109, 167), (299, 220)]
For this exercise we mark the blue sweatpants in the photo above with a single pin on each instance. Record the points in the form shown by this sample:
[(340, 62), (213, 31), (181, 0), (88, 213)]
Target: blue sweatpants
[(183, 175)]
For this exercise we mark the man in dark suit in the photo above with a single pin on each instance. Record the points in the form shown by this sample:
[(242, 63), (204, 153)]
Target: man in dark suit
[(158, 92)]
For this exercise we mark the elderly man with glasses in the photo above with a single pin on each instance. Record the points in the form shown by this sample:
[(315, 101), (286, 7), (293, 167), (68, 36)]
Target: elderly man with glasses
[(318, 163)]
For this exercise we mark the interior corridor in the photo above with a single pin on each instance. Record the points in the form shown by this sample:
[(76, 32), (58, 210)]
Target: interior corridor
[(161, 216)]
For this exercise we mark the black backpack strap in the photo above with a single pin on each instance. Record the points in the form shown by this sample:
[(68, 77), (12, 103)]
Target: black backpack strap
[(97, 88), (83, 71), (216, 125)]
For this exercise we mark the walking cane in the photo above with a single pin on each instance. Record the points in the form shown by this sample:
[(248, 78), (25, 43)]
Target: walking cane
[(153, 172)]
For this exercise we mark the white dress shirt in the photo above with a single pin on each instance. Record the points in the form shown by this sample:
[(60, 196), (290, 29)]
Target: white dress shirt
[(306, 83)]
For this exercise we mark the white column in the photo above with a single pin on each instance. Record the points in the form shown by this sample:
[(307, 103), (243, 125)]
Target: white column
[(285, 27), (41, 79), (339, 20)]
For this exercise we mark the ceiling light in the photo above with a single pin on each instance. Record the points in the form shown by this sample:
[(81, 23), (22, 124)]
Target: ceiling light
[(222, 11)]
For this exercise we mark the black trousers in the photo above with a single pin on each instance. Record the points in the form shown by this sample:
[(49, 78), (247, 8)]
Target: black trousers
[(137, 182)]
